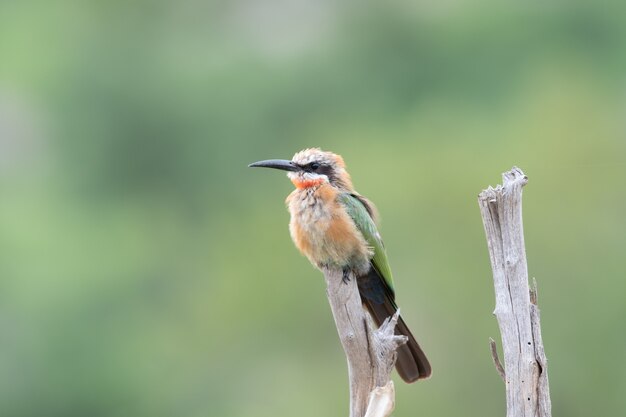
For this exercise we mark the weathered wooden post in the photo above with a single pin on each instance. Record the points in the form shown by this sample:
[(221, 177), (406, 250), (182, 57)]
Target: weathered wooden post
[(371, 353), (525, 371)]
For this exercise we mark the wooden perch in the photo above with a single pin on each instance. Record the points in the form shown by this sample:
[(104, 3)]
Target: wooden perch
[(371, 353), (525, 366)]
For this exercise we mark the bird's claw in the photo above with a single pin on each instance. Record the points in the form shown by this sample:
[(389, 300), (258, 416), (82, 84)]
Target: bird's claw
[(346, 276)]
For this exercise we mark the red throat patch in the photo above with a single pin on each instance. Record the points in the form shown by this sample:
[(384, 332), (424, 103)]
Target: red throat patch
[(302, 184)]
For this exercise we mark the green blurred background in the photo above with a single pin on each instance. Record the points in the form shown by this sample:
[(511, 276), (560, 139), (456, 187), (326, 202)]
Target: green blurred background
[(146, 271)]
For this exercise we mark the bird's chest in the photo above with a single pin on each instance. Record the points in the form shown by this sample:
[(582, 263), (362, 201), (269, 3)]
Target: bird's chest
[(323, 231), (311, 218)]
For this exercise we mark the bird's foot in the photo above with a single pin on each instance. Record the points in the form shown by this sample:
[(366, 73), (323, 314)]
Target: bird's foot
[(346, 275)]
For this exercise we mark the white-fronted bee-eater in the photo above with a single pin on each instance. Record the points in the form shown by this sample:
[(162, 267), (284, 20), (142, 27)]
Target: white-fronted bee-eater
[(335, 227)]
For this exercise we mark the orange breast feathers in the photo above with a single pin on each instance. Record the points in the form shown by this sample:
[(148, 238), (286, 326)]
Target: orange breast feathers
[(323, 231), (301, 183)]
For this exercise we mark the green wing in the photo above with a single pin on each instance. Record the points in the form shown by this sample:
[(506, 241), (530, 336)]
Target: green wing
[(376, 289), (361, 212)]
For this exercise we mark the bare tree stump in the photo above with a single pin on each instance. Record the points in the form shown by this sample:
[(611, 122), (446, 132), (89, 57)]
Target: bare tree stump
[(525, 369), (371, 354)]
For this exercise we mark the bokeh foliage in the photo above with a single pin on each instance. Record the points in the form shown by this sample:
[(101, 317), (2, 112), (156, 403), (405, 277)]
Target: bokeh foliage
[(145, 271)]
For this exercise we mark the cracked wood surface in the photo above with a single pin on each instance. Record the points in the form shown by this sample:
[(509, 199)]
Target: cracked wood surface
[(525, 365), (370, 352)]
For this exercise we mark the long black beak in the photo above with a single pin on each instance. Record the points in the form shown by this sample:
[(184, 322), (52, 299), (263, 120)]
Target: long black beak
[(276, 164)]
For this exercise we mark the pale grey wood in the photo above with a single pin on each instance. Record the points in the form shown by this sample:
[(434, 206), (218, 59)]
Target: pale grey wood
[(496, 359), (370, 352), (381, 402), (525, 364), (543, 387)]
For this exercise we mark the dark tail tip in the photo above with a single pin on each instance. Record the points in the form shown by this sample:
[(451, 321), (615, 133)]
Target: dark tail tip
[(412, 364)]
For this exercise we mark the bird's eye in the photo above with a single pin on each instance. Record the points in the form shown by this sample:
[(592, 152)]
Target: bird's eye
[(315, 166)]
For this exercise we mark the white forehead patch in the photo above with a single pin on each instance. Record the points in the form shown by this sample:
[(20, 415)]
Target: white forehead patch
[(312, 155)]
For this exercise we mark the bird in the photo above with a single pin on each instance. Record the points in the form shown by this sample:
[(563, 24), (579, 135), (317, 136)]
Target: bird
[(335, 228)]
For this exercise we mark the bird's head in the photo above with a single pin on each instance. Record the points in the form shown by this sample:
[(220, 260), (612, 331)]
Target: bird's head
[(312, 167)]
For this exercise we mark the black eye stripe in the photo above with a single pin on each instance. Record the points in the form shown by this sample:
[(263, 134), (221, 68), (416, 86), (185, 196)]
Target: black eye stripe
[(318, 168)]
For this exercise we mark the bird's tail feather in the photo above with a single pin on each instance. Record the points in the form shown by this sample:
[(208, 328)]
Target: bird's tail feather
[(411, 362)]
